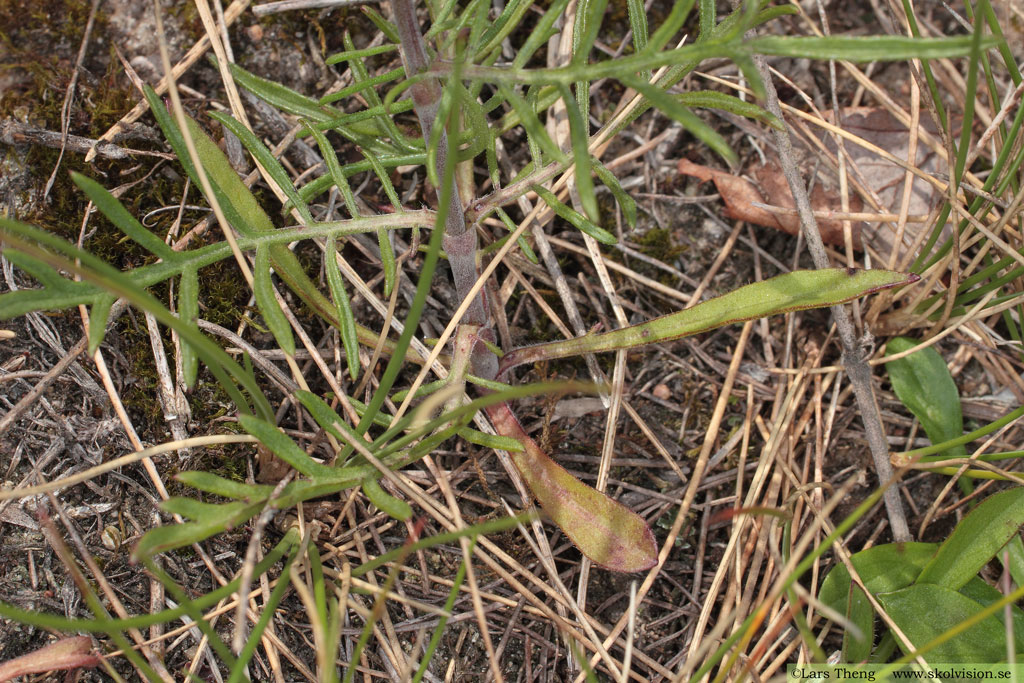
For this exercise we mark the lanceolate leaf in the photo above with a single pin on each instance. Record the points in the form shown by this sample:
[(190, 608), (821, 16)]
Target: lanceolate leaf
[(795, 291), (977, 539), (925, 612), (263, 289), (604, 530), (188, 311), (923, 384)]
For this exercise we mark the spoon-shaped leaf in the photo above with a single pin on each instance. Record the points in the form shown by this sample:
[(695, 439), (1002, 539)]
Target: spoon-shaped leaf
[(604, 530), (794, 291)]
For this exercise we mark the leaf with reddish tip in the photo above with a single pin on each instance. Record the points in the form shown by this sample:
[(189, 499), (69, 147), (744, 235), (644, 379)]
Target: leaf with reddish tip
[(794, 291), (604, 530), (67, 653)]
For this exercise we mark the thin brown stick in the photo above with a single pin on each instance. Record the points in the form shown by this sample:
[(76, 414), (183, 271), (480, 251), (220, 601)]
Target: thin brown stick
[(857, 370)]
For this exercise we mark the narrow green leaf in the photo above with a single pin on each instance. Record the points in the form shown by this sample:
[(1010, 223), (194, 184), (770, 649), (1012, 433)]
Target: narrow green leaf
[(495, 441), (867, 48), (385, 26), (319, 586), (506, 22), (668, 28), (360, 54), (327, 418), (364, 85), (622, 197), (114, 210), (99, 316), (589, 14), (47, 276), (282, 97), (671, 107), (707, 16), (575, 218), (977, 539), (387, 260), (346, 320), (263, 290), (521, 240), (108, 281), (283, 447), (188, 312), (579, 137), (210, 520), (263, 155), (604, 530), (534, 129), (269, 610), (227, 488), (923, 384), (638, 24), (710, 99), (385, 502), (794, 291), (540, 34), (924, 612)]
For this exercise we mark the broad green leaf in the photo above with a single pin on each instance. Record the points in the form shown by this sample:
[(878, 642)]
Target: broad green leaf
[(284, 448), (263, 290), (883, 568), (794, 291), (385, 502), (924, 612), (604, 530), (976, 589), (226, 488), (923, 384), (977, 539)]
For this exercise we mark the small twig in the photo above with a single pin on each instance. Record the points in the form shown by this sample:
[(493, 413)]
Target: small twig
[(857, 369), (14, 133), (268, 8), (69, 96)]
